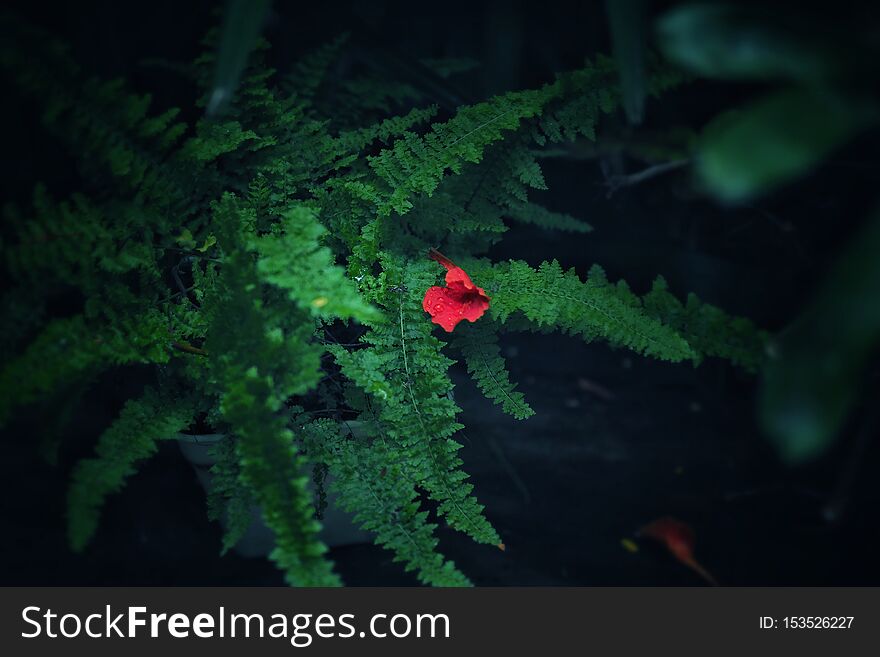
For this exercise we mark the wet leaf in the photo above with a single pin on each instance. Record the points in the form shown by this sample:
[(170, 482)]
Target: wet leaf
[(460, 299)]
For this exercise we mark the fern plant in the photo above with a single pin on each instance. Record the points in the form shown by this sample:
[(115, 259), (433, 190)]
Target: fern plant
[(230, 256)]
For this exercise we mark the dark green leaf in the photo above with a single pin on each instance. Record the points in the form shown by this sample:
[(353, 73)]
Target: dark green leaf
[(746, 152), (812, 379), (726, 41)]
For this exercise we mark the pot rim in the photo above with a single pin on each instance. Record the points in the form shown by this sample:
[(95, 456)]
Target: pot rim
[(200, 439)]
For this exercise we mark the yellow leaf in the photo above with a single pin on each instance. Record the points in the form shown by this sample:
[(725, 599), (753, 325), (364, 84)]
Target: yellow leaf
[(210, 241), (629, 545), (185, 239)]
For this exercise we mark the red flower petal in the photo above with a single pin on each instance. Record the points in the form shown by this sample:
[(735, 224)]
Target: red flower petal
[(678, 538), (674, 534), (459, 300)]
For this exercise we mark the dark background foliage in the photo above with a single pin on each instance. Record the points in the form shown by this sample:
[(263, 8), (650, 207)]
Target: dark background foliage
[(618, 440)]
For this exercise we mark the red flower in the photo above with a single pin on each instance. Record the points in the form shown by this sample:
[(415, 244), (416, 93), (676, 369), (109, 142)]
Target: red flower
[(459, 300), (679, 540)]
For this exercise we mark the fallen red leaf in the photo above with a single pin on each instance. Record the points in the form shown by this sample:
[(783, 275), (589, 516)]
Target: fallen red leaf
[(459, 300), (678, 538)]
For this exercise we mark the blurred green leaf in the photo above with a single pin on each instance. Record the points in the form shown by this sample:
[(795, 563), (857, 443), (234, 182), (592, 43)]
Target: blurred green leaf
[(812, 380), (745, 152), (727, 41), (242, 23), (628, 20)]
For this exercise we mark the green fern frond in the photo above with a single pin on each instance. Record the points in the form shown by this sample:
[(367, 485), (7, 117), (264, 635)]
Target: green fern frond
[(370, 94), (441, 217), (537, 215), (119, 145), (590, 92), (259, 357), (708, 329), (371, 482), (295, 261), (310, 71), (416, 165), (418, 414), (229, 499), (275, 472), (482, 355), (356, 140), (70, 242), (230, 254), (213, 139), (594, 308), (366, 368), (109, 129), (68, 349), (132, 437)]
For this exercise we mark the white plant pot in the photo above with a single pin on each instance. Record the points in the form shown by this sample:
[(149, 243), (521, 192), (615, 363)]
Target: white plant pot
[(338, 527)]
